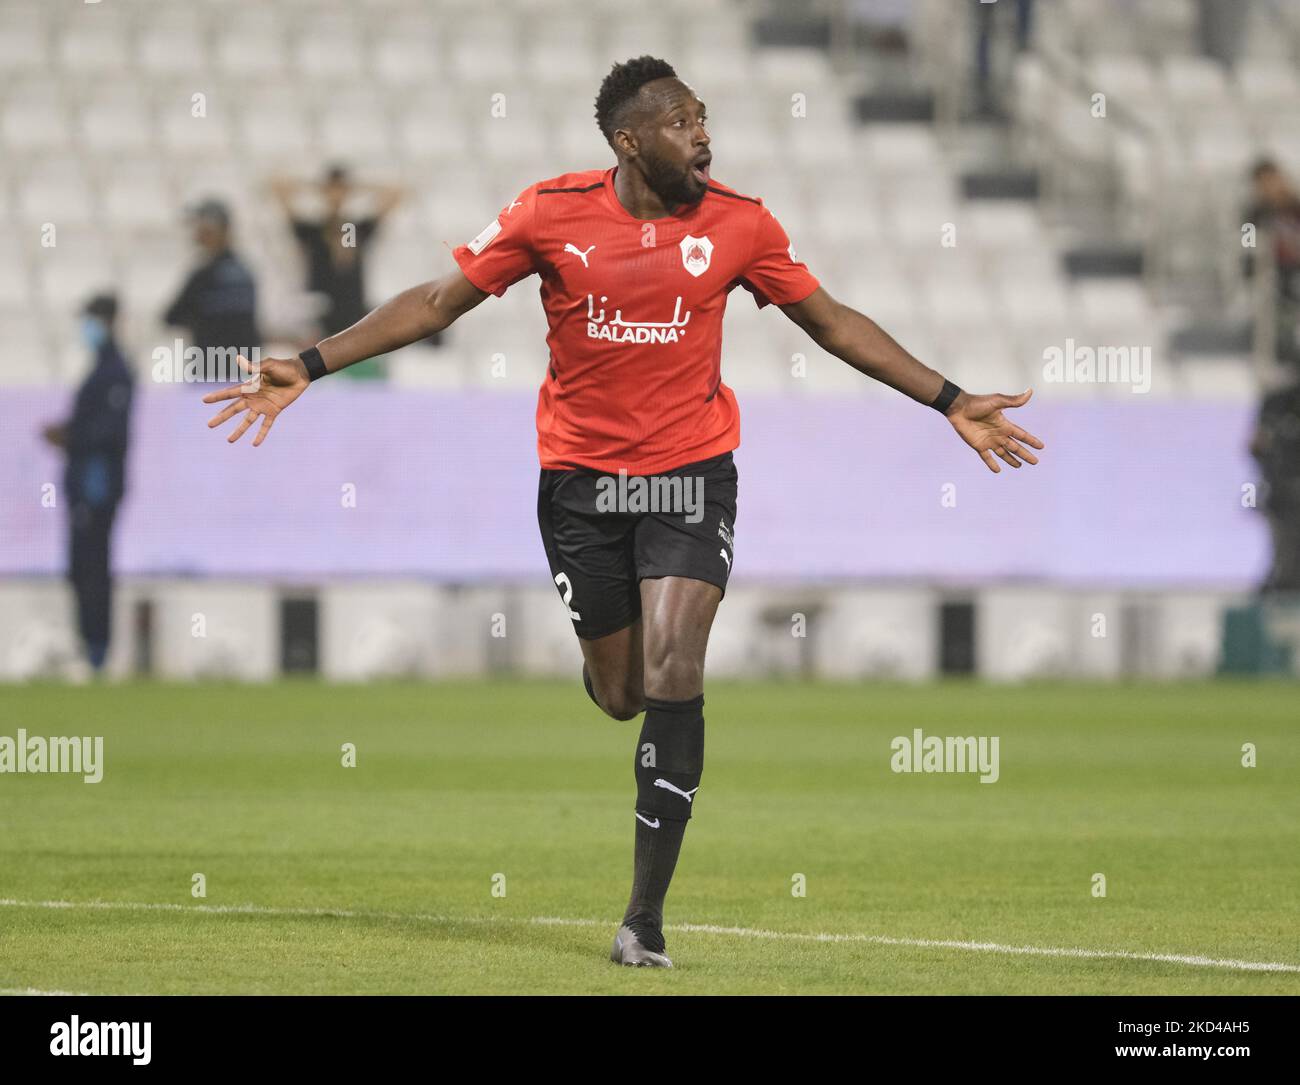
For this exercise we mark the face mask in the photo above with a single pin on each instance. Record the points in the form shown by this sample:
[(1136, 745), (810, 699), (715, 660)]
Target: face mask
[(93, 333)]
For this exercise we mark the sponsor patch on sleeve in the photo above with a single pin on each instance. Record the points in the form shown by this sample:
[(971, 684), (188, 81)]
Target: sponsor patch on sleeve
[(485, 237)]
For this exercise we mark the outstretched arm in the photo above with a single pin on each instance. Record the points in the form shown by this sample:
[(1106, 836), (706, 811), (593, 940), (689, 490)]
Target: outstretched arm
[(413, 315), (386, 198), (285, 190), (862, 343)]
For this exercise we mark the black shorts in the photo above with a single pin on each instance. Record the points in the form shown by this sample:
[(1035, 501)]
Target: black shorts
[(604, 534)]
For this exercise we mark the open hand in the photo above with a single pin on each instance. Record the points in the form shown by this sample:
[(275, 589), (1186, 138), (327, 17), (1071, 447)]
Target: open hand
[(271, 387), (979, 422)]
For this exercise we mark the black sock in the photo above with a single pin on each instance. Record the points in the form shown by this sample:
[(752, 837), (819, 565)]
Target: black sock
[(669, 762)]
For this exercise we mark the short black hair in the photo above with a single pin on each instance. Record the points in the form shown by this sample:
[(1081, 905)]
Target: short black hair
[(1262, 166), (103, 306), (622, 84)]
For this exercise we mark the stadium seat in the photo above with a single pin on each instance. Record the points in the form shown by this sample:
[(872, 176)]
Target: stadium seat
[(24, 47), (1267, 84), (114, 122), (407, 57), (1220, 380), (26, 350), (1129, 79), (80, 265), (184, 133), (836, 224), (1223, 151), (421, 366), (153, 267), (631, 35), (136, 197), (353, 131), (57, 191), (250, 49), (1002, 225), (94, 50), (35, 124), (344, 50), (1194, 83), (484, 51), (15, 281), (981, 356), (278, 130), (901, 149), (165, 49), (1034, 298)]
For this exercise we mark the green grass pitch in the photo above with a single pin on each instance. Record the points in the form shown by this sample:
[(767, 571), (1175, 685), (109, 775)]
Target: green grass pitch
[(379, 878)]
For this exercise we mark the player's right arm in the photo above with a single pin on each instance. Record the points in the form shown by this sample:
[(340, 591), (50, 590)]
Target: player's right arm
[(412, 315), (503, 253)]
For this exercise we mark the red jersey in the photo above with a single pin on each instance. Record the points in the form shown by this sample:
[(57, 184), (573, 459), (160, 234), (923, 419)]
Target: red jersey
[(635, 313)]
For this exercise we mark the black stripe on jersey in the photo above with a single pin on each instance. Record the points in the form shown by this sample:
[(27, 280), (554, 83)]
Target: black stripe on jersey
[(588, 188), (733, 195)]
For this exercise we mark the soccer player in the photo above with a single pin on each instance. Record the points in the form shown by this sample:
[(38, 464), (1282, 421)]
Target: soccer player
[(636, 262)]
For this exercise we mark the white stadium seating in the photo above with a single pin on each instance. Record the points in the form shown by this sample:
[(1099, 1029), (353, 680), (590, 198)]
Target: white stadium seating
[(98, 132)]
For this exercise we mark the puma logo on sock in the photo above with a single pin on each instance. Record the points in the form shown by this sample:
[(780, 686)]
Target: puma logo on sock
[(689, 796)]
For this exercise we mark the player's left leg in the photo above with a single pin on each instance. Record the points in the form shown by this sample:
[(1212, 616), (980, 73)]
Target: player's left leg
[(684, 562), (677, 614)]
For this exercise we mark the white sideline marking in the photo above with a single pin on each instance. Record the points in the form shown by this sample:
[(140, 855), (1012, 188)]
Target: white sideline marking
[(37, 991), (1195, 960), (977, 947)]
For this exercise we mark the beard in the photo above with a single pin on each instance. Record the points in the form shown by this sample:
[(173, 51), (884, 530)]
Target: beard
[(672, 184)]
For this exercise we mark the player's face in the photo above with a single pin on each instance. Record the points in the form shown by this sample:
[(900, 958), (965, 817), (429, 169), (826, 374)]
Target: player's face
[(675, 153), (1272, 188), (209, 235)]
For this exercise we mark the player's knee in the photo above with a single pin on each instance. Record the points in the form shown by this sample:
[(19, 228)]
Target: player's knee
[(677, 676), (623, 703)]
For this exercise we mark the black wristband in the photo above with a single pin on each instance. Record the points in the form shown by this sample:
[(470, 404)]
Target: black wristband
[(314, 362), (946, 395)]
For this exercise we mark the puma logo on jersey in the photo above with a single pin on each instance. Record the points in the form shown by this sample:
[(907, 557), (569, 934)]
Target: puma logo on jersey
[(689, 796), (570, 247)]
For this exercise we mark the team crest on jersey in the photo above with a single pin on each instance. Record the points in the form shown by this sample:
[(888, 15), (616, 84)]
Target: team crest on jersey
[(696, 254)]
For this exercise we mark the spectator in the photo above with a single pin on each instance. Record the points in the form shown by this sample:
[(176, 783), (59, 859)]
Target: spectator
[(95, 441), (1221, 28), (1276, 447), (1275, 212), (992, 36), (335, 244), (218, 303)]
